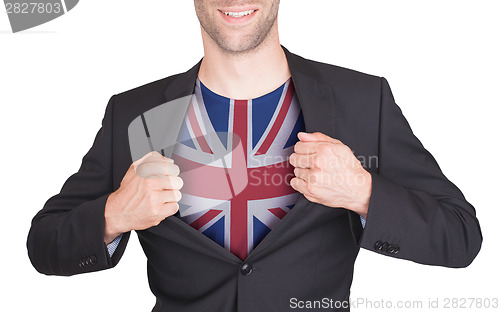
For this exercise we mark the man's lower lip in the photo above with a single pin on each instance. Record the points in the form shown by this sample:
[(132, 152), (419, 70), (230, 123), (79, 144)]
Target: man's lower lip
[(237, 20)]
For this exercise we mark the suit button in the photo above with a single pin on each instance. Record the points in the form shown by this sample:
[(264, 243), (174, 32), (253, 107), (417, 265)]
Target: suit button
[(384, 246), (396, 249), (83, 263), (93, 260), (390, 249), (378, 245), (246, 269)]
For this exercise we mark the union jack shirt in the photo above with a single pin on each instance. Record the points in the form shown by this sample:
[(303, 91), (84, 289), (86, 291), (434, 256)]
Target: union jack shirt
[(233, 158)]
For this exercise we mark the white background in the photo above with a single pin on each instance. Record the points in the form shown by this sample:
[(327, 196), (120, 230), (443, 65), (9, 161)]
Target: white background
[(440, 58)]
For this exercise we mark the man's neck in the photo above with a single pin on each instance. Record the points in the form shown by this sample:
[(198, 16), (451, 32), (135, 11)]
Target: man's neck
[(246, 75)]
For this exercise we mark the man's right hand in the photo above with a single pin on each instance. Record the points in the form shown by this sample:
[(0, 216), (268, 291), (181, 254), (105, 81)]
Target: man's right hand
[(148, 193)]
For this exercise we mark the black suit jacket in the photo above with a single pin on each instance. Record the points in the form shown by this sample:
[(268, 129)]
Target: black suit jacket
[(415, 212)]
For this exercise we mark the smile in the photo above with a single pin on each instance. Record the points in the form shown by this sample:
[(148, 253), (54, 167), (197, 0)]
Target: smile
[(239, 14)]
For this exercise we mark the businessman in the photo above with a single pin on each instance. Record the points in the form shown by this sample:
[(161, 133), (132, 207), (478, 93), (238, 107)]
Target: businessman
[(250, 179)]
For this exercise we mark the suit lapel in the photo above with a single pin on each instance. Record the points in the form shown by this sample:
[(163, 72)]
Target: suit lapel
[(318, 108), (182, 84), (315, 98)]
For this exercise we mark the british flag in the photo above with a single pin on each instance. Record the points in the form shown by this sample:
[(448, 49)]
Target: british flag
[(233, 156)]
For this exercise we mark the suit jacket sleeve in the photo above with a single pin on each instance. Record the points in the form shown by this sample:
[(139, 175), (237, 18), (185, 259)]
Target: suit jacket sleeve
[(67, 235), (415, 212)]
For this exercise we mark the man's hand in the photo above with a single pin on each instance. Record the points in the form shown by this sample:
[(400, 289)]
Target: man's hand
[(148, 193), (327, 172)]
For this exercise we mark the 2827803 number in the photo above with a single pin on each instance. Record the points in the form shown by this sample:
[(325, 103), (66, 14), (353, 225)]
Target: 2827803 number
[(469, 303), (33, 8)]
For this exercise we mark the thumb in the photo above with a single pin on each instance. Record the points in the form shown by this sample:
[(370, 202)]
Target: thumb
[(152, 156), (316, 137), (147, 157)]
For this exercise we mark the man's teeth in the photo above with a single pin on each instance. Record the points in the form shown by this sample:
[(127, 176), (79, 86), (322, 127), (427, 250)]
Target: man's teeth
[(239, 14)]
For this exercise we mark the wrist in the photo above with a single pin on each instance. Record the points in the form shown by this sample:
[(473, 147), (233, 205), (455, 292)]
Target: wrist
[(111, 228), (362, 199)]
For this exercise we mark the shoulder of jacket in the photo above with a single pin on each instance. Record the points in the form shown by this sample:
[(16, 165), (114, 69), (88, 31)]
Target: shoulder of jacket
[(338, 74), (152, 89)]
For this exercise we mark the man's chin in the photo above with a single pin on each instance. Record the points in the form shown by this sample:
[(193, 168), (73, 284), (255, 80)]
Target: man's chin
[(239, 46)]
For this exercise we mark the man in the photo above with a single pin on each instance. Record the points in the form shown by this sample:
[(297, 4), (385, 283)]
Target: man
[(251, 99)]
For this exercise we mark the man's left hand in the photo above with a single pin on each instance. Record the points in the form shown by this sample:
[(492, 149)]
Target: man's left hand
[(327, 172)]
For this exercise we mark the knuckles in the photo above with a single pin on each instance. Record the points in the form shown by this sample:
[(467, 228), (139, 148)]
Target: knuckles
[(177, 195), (311, 190), (319, 161), (297, 147), (325, 148), (173, 169), (176, 183), (170, 208), (293, 159), (314, 176), (156, 168)]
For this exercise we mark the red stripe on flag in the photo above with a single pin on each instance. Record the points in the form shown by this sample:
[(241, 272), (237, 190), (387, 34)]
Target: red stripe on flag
[(280, 213), (269, 181), (278, 122), (239, 222), (205, 218)]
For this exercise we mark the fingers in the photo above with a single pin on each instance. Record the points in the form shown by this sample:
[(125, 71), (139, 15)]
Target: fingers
[(302, 161), (316, 137), (152, 157), (149, 156), (133, 167), (305, 147), (298, 185), (157, 169), (301, 173), (170, 196), (171, 208), (165, 183), (172, 183), (301, 186), (310, 176), (311, 143)]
